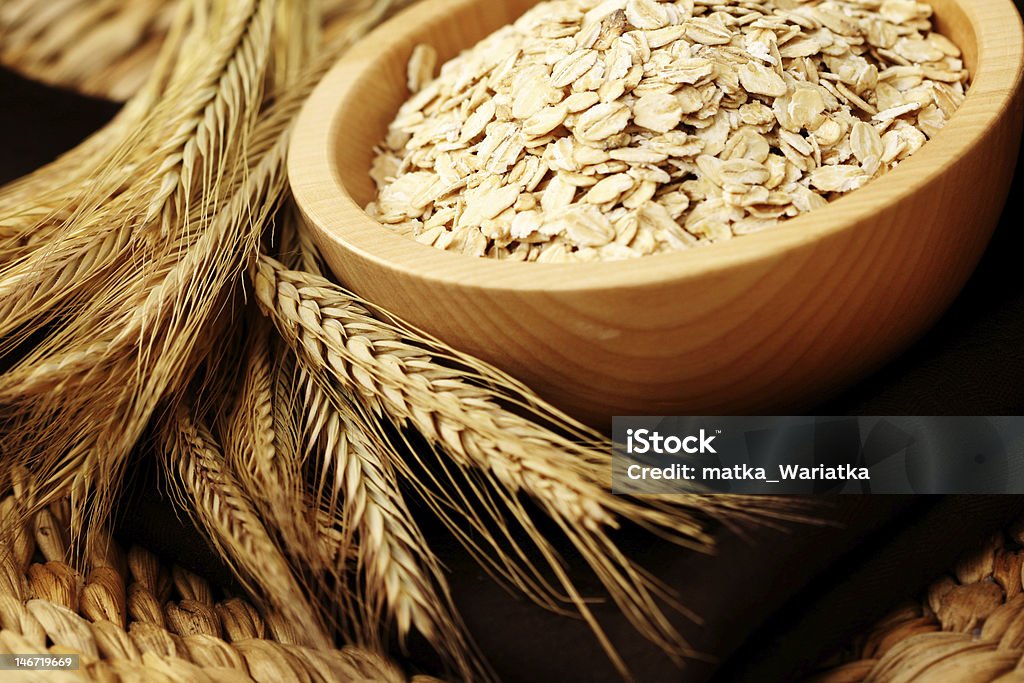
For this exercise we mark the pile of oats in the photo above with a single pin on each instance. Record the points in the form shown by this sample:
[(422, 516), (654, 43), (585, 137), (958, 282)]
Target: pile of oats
[(597, 130)]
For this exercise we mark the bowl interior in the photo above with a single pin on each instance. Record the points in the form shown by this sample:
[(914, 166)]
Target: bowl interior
[(464, 24), (349, 113)]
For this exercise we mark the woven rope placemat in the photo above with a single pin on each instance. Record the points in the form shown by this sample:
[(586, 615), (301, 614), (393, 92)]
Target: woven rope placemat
[(968, 627), (132, 618)]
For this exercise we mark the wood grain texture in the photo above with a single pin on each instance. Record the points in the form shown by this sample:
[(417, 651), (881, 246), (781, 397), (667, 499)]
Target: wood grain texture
[(771, 321)]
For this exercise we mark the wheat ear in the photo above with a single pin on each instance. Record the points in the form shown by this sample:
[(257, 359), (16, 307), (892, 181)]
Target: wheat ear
[(358, 486), (336, 339), (62, 43), (270, 474), (357, 471), (202, 482), (74, 271), (180, 137), (157, 313)]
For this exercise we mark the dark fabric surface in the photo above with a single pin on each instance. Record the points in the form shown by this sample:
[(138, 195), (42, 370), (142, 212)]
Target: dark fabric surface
[(777, 598)]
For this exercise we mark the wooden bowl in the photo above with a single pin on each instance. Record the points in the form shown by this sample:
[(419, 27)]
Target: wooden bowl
[(770, 321)]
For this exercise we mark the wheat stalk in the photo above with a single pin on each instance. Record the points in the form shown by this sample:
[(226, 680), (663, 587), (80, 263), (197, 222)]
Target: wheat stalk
[(205, 488), (262, 185), (358, 521), (85, 250), (328, 550), (262, 447), (197, 233), (115, 281), (153, 307), (261, 439), (356, 470), (62, 43), (145, 287), (108, 58), (183, 95), (458, 404), (358, 486), (337, 341), (248, 205), (89, 248), (269, 474)]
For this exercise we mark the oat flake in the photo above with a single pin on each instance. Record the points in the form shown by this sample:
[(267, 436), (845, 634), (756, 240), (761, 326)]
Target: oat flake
[(610, 129)]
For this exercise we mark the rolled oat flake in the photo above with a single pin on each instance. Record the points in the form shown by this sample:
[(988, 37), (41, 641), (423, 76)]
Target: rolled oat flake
[(592, 130)]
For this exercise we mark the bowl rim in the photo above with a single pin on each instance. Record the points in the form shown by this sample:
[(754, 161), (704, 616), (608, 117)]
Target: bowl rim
[(336, 216)]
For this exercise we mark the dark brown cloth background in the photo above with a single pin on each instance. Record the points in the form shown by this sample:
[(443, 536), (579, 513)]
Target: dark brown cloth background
[(773, 601)]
